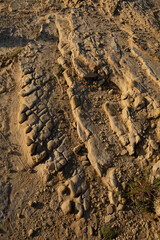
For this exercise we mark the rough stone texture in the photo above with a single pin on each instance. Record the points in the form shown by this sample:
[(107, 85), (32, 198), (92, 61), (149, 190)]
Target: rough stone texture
[(78, 72)]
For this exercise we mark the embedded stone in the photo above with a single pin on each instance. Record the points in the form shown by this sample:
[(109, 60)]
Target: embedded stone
[(34, 133), (28, 129), (49, 125), (139, 102), (22, 117), (32, 119), (75, 102), (40, 107), (32, 148), (120, 207), (31, 100), (29, 141), (42, 156), (24, 108), (45, 118), (28, 90), (26, 80), (66, 206), (45, 133), (50, 145), (157, 206), (90, 76)]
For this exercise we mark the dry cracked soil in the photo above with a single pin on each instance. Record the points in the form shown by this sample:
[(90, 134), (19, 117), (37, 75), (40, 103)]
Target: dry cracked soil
[(79, 119)]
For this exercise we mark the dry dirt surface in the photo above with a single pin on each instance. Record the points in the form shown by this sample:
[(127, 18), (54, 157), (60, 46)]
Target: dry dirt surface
[(79, 119)]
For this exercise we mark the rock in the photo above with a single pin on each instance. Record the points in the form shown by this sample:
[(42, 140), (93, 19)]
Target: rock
[(28, 129), (63, 145), (90, 76), (31, 100), (124, 152), (68, 79), (45, 118), (32, 148), (158, 130), (28, 90), (30, 203), (22, 117), (44, 134), (24, 108), (112, 198), (75, 102), (139, 103), (67, 153), (110, 179), (117, 125), (61, 60), (34, 133), (67, 206), (2, 89), (29, 141), (41, 107), (155, 172), (124, 185), (153, 144), (51, 145), (109, 218), (78, 148), (78, 227), (120, 207), (59, 160), (86, 203), (26, 80), (109, 209), (83, 126), (84, 158), (97, 155), (4, 199), (42, 156), (61, 190), (14, 6), (49, 125), (30, 232), (85, 163), (79, 208), (52, 204), (90, 231), (32, 119)]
